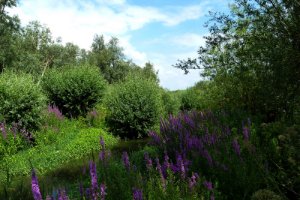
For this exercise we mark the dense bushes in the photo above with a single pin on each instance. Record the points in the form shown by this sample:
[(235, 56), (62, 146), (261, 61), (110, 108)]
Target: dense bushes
[(74, 90), (135, 107), (21, 100)]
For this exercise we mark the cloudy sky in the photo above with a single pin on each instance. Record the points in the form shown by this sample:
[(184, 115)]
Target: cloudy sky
[(159, 31)]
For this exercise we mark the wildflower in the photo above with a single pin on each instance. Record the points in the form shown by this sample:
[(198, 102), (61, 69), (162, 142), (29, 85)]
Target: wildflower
[(155, 137), (81, 189), (137, 194), (94, 181), (102, 143), (148, 161), (62, 195), (54, 109), (208, 185), (246, 133), (102, 191), (35, 186), (236, 147), (126, 161), (158, 168), (193, 180), (2, 128)]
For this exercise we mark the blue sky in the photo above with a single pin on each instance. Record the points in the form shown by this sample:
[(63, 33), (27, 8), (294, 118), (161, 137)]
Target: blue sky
[(159, 31)]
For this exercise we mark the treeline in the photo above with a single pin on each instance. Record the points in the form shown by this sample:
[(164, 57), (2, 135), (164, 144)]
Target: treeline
[(32, 49), (252, 59)]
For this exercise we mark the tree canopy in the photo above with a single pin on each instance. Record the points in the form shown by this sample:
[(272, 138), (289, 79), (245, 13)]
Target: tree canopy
[(253, 55)]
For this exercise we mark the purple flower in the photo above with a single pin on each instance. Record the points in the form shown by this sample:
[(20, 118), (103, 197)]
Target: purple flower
[(193, 180), (125, 159), (137, 194), (35, 186), (155, 137), (3, 130), (246, 133), (54, 109), (148, 161), (236, 147), (102, 191), (102, 143), (62, 195), (81, 190), (158, 168), (208, 185), (94, 178)]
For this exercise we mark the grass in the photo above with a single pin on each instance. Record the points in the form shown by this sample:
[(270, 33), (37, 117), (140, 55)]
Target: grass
[(73, 143)]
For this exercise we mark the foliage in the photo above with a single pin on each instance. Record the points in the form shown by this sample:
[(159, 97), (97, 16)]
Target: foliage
[(74, 90), (71, 143), (203, 142), (253, 56), (281, 144), (171, 102), (135, 107), (21, 100), (9, 29), (265, 195)]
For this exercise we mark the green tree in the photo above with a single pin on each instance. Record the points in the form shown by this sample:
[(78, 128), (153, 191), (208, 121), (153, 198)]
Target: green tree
[(253, 55), (9, 30)]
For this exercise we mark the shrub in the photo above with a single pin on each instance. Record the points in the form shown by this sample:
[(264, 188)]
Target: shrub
[(21, 100), (171, 102), (265, 195), (74, 90), (135, 107), (190, 99)]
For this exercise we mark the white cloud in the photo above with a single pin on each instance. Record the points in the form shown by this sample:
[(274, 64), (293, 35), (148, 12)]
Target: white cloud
[(189, 40), (78, 21)]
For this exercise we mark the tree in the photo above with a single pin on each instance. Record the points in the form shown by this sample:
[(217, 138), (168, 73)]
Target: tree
[(253, 55), (9, 29)]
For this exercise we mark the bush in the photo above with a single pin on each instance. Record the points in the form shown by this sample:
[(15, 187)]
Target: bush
[(21, 100), (171, 103), (190, 99), (265, 195), (135, 106), (74, 90)]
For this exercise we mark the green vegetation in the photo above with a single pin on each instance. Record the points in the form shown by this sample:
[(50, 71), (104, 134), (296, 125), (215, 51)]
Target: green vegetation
[(111, 131), (21, 100), (76, 90), (134, 107)]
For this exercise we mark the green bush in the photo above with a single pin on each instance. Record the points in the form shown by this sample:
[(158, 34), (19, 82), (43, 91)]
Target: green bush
[(190, 99), (265, 195), (135, 107), (76, 90), (21, 100), (171, 102)]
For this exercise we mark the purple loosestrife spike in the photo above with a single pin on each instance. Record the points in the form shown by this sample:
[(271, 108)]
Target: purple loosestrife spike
[(125, 159), (236, 147), (62, 195), (102, 143), (193, 180), (94, 182), (81, 190), (102, 155), (155, 138), (35, 186), (208, 185), (246, 133), (158, 167), (148, 161), (3, 130), (103, 191), (137, 194), (54, 109)]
